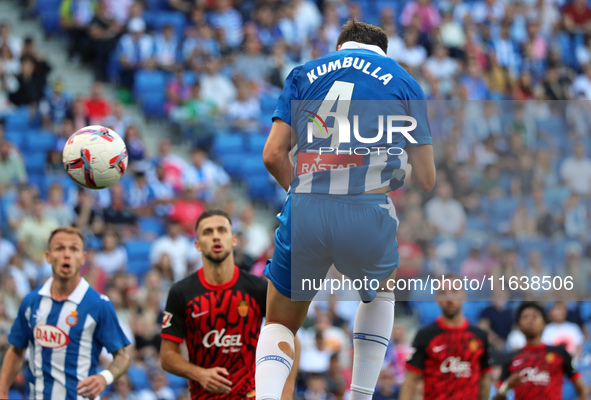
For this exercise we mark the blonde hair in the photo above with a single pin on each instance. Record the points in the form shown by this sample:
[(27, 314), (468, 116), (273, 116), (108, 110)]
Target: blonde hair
[(66, 229)]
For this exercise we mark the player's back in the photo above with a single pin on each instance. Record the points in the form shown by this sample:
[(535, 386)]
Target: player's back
[(342, 107)]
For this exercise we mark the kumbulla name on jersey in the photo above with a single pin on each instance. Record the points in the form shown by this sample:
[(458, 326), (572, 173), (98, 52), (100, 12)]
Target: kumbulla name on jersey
[(348, 62)]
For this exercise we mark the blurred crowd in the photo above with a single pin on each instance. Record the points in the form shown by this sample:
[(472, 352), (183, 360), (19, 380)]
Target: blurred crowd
[(513, 160)]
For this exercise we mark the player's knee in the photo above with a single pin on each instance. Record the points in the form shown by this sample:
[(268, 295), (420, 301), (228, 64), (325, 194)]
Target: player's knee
[(282, 336), (385, 296)]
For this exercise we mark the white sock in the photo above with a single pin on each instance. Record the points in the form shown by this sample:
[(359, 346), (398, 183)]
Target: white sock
[(371, 334), (272, 365)]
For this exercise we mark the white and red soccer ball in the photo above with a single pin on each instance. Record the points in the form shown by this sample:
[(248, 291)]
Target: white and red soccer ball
[(95, 157)]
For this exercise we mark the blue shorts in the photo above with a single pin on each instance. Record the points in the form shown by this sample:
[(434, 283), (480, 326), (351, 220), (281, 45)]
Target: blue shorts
[(356, 233)]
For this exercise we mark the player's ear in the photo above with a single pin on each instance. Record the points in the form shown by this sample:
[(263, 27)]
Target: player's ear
[(234, 240), (339, 47), (84, 255), (197, 245), (47, 257)]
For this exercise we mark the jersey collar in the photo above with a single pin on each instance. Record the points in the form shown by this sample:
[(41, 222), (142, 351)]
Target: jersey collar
[(357, 45), (446, 327), (75, 297), (222, 286)]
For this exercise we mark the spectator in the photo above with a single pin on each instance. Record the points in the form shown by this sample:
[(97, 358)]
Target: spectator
[(160, 385), (229, 20), (496, 320), (506, 51), (441, 66), (578, 269), (307, 17), (473, 82), (103, 32), (42, 67), (489, 12), (86, 217), (123, 10), (7, 250), (135, 146), (292, 33), (206, 177), (253, 65), (577, 17), (199, 47), (244, 112), (411, 254), (183, 255), (186, 209), (387, 387), (560, 332), (178, 90), (317, 388), (163, 191), (79, 116), (166, 48), (119, 214), (113, 257), (75, 16), (12, 167), (575, 171), (30, 85), (19, 209), (136, 51), (255, 235), (413, 54), (444, 212), (140, 195), (97, 105), (266, 25), (427, 12), (581, 87), (523, 225), (24, 276), (56, 208), (216, 87), (123, 390), (94, 275), (576, 219), (56, 105), (472, 267), (34, 232), (118, 120), (6, 38)]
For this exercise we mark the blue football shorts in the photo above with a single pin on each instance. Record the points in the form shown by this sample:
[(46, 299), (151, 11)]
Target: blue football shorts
[(356, 233)]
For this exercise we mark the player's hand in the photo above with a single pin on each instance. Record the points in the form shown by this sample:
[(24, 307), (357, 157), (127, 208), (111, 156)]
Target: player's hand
[(214, 380), (92, 386), (514, 380)]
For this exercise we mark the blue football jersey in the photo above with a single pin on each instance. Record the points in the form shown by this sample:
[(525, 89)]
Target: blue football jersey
[(377, 95), (65, 338)]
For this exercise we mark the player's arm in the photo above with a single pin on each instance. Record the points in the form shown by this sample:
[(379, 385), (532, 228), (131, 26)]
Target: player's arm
[(575, 376), (484, 383), (212, 379), (94, 385), (276, 153), (422, 173), (409, 385), (415, 365), (581, 389), (13, 361)]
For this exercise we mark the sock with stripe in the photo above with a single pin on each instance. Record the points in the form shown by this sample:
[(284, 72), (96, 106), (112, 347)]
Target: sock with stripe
[(272, 364), (371, 334)]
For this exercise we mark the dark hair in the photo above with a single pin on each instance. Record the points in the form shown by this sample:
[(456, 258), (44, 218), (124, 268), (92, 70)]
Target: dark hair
[(211, 213), (530, 304), (363, 33)]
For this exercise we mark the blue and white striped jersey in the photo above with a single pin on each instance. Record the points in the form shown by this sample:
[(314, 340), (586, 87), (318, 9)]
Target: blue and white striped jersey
[(361, 82), (65, 338)]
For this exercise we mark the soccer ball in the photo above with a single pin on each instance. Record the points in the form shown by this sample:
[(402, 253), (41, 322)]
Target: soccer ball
[(95, 157)]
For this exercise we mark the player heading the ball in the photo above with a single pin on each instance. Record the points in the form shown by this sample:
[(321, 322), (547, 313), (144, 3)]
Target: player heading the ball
[(337, 210)]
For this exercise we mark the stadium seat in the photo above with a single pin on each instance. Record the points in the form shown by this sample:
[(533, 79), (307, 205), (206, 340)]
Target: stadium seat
[(268, 104), (232, 163), (428, 311), (148, 82), (527, 246), (225, 144), (38, 180), (472, 309), (260, 187), (17, 120), (157, 20), (35, 162), (138, 255), (50, 20), (176, 382), (252, 165), (256, 143), (17, 138), (139, 378), (151, 225), (39, 141), (153, 104)]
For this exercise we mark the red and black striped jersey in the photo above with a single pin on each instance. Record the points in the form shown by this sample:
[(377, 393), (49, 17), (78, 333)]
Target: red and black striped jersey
[(220, 325), (542, 369), (450, 359)]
